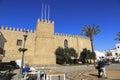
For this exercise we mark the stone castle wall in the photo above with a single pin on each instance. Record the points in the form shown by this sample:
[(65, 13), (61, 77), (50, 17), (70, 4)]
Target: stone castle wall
[(10, 47), (41, 43), (76, 42)]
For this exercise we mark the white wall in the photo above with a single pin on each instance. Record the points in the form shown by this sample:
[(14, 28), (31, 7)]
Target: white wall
[(99, 54), (118, 48)]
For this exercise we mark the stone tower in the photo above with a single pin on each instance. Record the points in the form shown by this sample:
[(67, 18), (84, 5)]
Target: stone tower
[(44, 42)]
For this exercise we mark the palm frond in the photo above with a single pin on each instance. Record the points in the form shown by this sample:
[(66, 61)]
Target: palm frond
[(118, 36), (91, 30)]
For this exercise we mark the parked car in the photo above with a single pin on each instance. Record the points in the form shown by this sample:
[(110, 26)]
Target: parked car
[(115, 60)]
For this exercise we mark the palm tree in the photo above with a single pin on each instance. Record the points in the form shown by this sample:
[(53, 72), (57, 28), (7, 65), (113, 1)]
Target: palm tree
[(90, 31), (118, 36)]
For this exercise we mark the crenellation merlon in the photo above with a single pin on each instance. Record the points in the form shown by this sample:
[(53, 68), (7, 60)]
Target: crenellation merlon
[(2, 28), (15, 29), (28, 30), (18, 29), (21, 29), (31, 31), (65, 35), (82, 37), (6, 28), (10, 28), (44, 21), (69, 35)]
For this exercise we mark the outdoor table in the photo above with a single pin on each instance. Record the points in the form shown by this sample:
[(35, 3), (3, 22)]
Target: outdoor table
[(42, 72), (32, 74), (37, 74), (51, 73)]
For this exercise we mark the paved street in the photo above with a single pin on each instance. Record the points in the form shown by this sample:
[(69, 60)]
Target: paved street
[(82, 72)]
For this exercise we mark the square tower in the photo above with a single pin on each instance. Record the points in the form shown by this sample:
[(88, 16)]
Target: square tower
[(45, 29), (44, 43)]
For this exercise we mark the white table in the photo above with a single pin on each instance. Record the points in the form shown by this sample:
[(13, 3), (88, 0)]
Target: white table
[(50, 74), (40, 72), (32, 74)]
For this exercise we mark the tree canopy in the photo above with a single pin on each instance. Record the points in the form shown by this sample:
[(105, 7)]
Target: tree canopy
[(86, 55), (65, 55)]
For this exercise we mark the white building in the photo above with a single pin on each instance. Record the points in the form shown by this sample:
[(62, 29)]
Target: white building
[(99, 54), (113, 53)]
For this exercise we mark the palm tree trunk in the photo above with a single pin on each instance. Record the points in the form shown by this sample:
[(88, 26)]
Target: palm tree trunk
[(92, 45), (92, 49)]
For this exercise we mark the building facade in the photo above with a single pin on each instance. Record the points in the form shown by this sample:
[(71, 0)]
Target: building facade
[(41, 43), (113, 53)]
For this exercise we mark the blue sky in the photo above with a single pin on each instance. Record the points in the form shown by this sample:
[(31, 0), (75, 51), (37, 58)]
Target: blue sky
[(70, 16)]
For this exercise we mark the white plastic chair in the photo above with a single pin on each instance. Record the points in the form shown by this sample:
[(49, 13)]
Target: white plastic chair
[(41, 75)]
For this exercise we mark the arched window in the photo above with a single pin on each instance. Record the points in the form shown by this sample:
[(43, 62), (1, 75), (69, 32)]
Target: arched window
[(65, 43)]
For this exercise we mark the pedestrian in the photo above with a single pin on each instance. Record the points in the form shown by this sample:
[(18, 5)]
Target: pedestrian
[(26, 68), (98, 68), (101, 65)]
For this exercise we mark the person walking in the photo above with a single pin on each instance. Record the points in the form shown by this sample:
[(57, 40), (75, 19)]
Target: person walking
[(102, 68), (98, 68)]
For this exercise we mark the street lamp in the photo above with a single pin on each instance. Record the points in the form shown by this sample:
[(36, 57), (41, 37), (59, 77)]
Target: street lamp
[(23, 50)]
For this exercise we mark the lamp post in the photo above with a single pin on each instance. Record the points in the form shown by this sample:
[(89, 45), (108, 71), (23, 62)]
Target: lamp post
[(23, 50)]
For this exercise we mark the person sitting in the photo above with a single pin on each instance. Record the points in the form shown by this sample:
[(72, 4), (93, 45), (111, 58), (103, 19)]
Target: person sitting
[(25, 71), (26, 68)]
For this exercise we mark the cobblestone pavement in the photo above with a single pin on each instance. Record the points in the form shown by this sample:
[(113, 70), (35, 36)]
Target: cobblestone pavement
[(81, 72), (92, 75)]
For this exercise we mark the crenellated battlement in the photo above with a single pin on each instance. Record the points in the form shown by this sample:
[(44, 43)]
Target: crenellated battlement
[(69, 35), (15, 29), (31, 31), (65, 35), (44, 21)]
